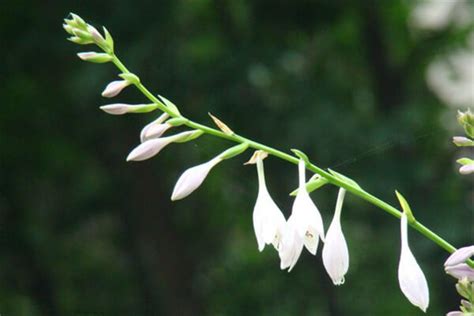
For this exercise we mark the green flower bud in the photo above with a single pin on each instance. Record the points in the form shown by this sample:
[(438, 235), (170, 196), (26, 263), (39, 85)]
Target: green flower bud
[(466, 120), (234, 151), (94, 57)]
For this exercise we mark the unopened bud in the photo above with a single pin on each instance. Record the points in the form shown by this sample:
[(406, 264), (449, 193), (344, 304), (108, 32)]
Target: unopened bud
[(466, 120), (114, 88), (95, 57), (177, 121), (96, 36), (467, 169), (234, 151), (79, 40), (188, 136), (122, 108), (155, 129), (462, 141)]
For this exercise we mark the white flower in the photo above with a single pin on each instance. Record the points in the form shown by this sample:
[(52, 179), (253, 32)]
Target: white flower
[(410, 276), (192, 178), (114, 88), (268, 221), (335, 252), (459, 256), (291, 246), (153, 146), (307, 219)]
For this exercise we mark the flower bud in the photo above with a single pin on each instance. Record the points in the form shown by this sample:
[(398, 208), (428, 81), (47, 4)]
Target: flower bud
[(95, 57), (459, 256), (462, 141), (460, 271), (155, 129), (153, 146), (192, 178), (467, 169), (114, 88), (96, 36), (466, 120), (122, 108)]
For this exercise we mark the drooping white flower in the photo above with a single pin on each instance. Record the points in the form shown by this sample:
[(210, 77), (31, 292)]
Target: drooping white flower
[(307, 219), (192, 178), (335, 251), (268, 221), (291, 246), (153, 146), (155, 129), (114, 88), (410, 276)]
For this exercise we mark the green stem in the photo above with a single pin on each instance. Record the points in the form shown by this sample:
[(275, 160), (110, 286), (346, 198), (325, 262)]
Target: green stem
[(292, 159)]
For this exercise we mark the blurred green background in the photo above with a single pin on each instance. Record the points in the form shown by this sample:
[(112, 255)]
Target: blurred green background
[(368, 88)]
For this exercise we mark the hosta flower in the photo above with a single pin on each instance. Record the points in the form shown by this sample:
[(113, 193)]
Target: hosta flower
[(153, 146), (291, 246), (410, 276), (307, 219), (268, 221), (114, 88), (192, 178), (335, 252)]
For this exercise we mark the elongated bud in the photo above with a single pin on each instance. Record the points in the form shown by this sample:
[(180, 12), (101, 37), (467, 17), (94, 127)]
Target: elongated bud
[(78, 40), (192, 178), (177, 121), (114, 88), (462, 141), (95, 57), (155, 129), (153, 146), (467, 169), (234, 151), (410, 276), (335, 251), (460, 256), (96, 36), (122, 108)]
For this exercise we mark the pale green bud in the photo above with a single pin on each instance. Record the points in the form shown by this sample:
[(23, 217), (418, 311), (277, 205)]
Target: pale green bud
[(466, 120), (234, 151)]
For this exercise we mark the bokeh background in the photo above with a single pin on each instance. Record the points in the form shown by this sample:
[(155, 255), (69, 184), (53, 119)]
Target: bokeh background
[(368, 88)]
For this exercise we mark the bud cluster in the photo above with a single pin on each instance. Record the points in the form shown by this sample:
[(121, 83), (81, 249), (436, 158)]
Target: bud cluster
[(457, 267), (466, 120)]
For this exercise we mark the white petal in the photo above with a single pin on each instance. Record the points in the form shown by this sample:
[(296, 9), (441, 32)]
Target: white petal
[(467, 169), (191, 179), (335, 251), (410, 276), (116, 108), (148, 149)]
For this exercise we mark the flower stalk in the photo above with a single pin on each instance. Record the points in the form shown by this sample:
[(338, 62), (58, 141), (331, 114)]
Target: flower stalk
[(331, 177)]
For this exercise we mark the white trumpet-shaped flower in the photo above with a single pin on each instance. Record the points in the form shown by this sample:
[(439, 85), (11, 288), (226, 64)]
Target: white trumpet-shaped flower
[(335, 251), (192, 178), (307, 219), (155, 129), (153, 146), (114, 88), (410, 276), (268, 221), (291, 246)]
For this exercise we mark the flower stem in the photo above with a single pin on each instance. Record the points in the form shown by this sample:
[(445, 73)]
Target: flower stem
[(294, 160)]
